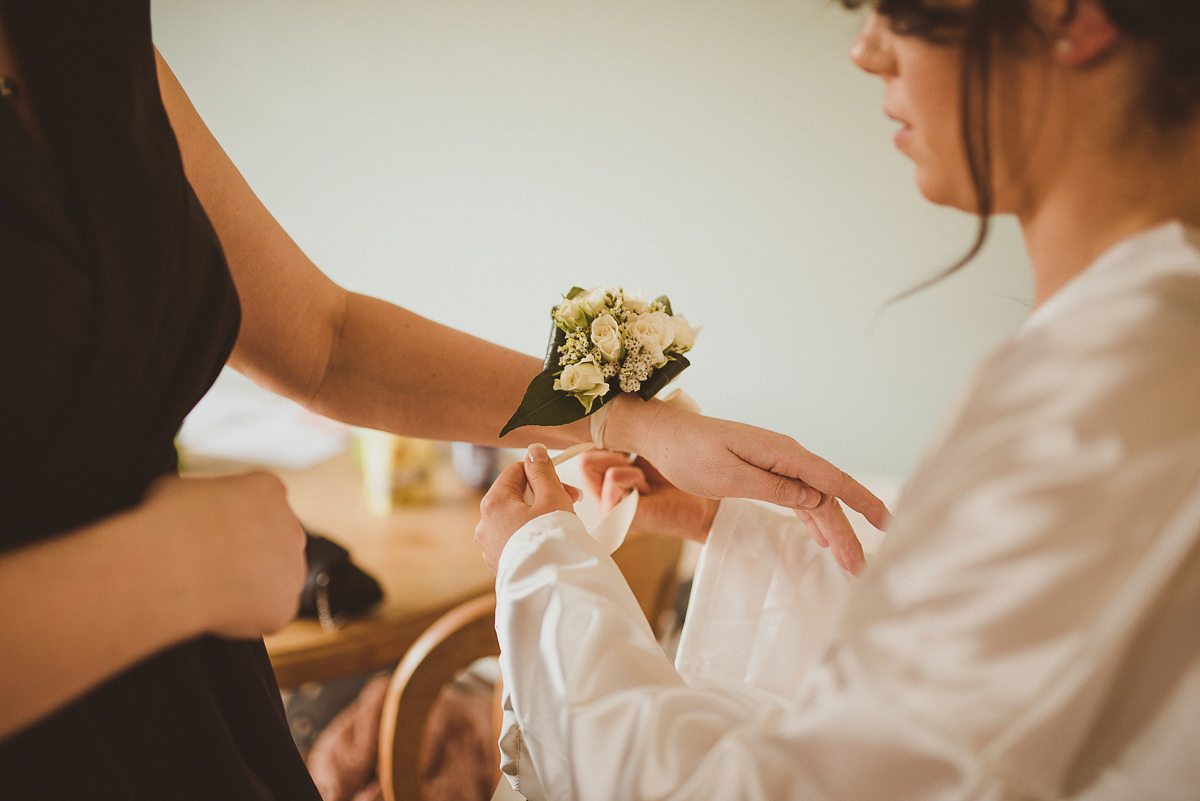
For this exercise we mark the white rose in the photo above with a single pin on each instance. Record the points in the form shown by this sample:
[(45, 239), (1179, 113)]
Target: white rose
[(656, 332), (685, 335), (592, 301), (636, 302), (584, 380), (606, 336), (570, 313)]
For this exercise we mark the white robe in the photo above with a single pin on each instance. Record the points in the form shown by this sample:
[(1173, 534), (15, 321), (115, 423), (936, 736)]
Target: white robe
[(1029, 629)]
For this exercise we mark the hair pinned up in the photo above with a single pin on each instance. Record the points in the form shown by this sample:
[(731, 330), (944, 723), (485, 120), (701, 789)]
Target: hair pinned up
[(1171, 93)]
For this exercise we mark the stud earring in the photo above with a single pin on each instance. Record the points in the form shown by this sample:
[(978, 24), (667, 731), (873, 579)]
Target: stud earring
[(1064, 45)]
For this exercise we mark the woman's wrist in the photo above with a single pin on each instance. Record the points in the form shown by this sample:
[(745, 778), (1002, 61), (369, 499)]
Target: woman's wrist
[(167, 570), (631, 423)]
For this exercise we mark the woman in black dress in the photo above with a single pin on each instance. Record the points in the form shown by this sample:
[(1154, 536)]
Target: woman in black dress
[(134, 263)]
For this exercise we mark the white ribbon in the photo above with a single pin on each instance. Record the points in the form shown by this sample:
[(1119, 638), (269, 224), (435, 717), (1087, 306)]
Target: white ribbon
[(610, 532)]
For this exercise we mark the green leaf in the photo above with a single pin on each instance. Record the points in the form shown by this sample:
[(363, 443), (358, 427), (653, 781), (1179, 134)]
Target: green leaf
[(545, 406), (666, 302), (575, 290), (663, 376)]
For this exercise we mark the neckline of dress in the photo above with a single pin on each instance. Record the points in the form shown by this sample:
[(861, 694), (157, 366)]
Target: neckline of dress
[(1111, 266)]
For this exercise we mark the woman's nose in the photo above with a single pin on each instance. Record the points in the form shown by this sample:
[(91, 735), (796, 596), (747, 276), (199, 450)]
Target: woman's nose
[(871, 51)]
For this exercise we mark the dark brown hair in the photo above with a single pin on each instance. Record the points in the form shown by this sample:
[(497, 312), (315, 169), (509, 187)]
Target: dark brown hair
[(1171, 95)]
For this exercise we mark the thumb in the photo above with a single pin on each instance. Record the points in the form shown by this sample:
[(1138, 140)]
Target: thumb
[(510, 483), (543, 480)]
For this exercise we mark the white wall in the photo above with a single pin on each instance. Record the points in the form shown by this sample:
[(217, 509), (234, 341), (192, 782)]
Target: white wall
[(472, 159)]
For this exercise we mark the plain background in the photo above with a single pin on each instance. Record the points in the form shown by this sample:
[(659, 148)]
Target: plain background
[(474, 159)]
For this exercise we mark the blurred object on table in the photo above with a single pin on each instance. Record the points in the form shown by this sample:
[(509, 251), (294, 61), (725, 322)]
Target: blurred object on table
[(475, 465), (397, 471)]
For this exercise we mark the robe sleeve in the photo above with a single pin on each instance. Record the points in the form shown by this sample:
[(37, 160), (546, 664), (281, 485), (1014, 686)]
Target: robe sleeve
[(1026, 630), (603, 713)]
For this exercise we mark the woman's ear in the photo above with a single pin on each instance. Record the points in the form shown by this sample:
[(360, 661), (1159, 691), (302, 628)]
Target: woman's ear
[(1085, 36)]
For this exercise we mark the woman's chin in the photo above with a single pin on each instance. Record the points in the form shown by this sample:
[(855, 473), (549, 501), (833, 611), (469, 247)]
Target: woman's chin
[(946, 193)]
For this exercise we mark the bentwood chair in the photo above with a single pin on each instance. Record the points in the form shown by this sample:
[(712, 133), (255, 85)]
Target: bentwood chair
[(466, 634)]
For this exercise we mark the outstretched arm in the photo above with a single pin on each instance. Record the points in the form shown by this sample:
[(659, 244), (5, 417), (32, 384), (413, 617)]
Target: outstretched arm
[(349, 356), (368, 362)]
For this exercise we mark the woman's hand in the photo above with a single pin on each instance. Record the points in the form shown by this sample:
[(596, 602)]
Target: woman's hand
[(715, 458), (662, 509), (237, 546), (504, 508), (195, 556)]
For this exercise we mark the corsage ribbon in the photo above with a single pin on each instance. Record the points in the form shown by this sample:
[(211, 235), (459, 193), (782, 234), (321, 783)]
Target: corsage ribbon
[(612, 529)]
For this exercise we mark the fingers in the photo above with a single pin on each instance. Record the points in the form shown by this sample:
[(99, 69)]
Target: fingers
[(504, 509), (618, 481), (863, 501), (814, 531), (510, 483), (752, 481), (595, 464), (827, 524), (548, 490), (804, 477), (829, 480)]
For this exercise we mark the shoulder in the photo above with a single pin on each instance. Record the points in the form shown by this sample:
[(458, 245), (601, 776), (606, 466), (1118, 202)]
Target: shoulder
[(1085, 425), (1118, 358), (1034, 539)]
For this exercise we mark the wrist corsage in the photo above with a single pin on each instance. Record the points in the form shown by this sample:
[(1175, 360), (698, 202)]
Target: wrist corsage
[(604, 342)]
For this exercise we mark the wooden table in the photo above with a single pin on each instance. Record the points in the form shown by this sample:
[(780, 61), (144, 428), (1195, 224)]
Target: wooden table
[(424, 556)]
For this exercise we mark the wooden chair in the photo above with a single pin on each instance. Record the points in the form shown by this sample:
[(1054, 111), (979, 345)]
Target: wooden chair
[(467, 633)]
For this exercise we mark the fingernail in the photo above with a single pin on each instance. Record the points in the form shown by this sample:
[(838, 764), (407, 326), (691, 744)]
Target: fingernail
[(810, 500), (537, 453)]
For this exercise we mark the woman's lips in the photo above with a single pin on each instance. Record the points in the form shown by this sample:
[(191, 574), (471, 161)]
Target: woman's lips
[(904, 135)]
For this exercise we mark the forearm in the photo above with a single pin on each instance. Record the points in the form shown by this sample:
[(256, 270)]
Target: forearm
[(78, 609), (354, 358), (368, 362), (394, 370)]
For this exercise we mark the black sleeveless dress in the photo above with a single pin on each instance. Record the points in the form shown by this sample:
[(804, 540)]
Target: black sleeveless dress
[(117, 311)]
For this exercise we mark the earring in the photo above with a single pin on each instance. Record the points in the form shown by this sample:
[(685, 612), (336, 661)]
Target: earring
[(1064, 45)]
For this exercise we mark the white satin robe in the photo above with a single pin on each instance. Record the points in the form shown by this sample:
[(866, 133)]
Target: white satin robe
[(1029, 629)]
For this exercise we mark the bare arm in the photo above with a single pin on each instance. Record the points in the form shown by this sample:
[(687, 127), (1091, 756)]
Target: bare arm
[(223, 555), (368, 362), (351, 357)]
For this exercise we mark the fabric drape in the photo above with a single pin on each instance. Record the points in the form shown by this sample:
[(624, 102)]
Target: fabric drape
[(1030, 627)]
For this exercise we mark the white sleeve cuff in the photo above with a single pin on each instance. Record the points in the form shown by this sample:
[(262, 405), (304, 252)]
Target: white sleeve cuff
[(529, 537), (764, 600)]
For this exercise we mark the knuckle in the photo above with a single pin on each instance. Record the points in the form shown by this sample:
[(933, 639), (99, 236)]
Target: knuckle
[(784, 490)]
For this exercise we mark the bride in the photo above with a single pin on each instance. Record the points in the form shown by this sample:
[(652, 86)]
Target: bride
[(1028, 628)]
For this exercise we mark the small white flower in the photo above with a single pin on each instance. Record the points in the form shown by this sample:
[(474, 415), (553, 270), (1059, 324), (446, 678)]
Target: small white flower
[(636, 367), (685, 335), (656, 332), (606, 336)]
